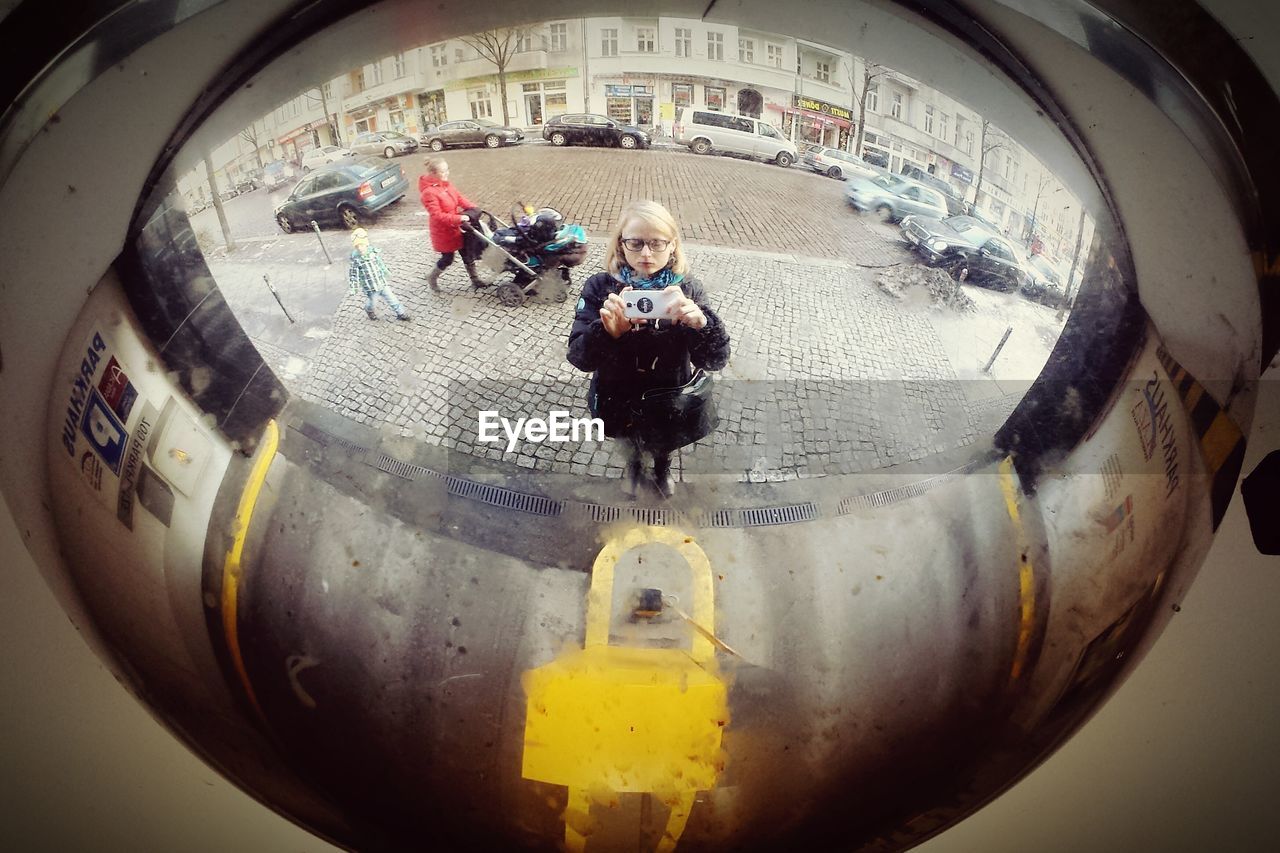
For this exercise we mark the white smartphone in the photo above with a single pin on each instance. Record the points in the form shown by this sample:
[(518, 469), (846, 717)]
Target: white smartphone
[(648, 304)]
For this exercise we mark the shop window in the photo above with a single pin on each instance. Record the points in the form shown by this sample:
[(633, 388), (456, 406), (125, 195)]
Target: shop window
[(715, 98), (481, 106), (715, 47), (609, 42), (682, 94), (619, 109)]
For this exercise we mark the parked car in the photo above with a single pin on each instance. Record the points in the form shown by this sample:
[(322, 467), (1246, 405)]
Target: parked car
[(955, 204), (318, 157), (591, 129), (347, 192), (964, 245), (876, 158), (277, 173), (388, 143), (490, 134), (1044, 282), (891, 197), (835, 163), (705, 131)]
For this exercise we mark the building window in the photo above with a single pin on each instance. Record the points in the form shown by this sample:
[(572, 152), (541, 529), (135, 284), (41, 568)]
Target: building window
[(873, 97), (480, 104), (775, 55), (715, 46), (928, 119), (682, 94), (746, 51), (715, 97), (559, 37), (358, 84), (397, 64), (376, 76), (458, 54), (438, 56), (645, 39), (968, 141), (328, 91), (896, 109), (524, 41), (824, 72), (942, 125), (609, 42), (684, 42)]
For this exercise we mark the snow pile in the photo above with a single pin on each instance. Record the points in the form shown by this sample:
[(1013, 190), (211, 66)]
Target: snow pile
[(916, 283)]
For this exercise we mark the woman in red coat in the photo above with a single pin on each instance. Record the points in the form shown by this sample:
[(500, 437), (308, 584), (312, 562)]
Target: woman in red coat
[(445, 206)]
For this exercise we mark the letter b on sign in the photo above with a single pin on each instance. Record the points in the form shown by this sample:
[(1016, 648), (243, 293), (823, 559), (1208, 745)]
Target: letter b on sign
[(106, 434)]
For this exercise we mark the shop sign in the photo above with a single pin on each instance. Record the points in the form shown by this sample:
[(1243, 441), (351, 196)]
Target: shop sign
[(617, 91), (958, 171), (513, 77), (298, 132), (823, 107)]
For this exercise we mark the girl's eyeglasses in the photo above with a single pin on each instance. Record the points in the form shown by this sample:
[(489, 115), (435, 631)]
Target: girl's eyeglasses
[(635, 244)]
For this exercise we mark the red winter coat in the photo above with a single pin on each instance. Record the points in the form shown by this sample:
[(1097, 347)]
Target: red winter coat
[(444, 205)]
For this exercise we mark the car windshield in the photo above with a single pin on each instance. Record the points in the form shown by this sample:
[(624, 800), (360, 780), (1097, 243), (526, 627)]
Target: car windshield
[(964, 223), (889, 182)]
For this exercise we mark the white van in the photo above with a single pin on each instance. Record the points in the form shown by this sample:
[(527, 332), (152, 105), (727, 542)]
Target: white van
[(705, 131)]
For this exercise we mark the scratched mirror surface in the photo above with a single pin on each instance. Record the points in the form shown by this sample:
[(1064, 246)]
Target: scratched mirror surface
[(667, 431)]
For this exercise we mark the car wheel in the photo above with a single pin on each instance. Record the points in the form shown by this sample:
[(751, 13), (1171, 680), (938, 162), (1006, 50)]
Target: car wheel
[(286, 224), (884, 213), (492, 141), (700, 146), (388, 152), (627, 141), (558, 138), (350, 216), (834, 172), (437, 145), (784, 159)]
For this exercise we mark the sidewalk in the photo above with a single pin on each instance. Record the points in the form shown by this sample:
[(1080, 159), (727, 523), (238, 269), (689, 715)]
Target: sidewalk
[(827, 376)]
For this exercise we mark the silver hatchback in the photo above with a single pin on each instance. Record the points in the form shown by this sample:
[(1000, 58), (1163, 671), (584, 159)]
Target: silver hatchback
[(891, 198), (388, 143)]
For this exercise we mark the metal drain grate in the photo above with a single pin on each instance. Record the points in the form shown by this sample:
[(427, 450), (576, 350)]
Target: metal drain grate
[(505, 498), (407, 470), (898, 493), (763, 516), (325, 439)]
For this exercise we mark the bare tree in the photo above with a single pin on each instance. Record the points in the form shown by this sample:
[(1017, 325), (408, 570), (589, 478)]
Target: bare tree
[(217, 205), (250, 135), (499, 47), (999, 140), (330, 120), (871, 71)]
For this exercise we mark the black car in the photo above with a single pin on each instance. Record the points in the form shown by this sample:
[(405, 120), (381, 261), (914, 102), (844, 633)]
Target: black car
[(964, 245), (591, 129), (453, 134), (348, 193)]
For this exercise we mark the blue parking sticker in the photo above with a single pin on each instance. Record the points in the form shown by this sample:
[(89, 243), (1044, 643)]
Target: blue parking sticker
[(107, 436)]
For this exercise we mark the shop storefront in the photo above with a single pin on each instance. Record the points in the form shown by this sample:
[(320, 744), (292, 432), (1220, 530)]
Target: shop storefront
[(533, 97), (630, 103), (294, 144), (543, 100), (431, 111), (818, 123)]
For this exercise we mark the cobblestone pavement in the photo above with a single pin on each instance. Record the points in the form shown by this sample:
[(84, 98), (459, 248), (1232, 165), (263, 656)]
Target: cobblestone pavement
[(827, 375), (719, 200)]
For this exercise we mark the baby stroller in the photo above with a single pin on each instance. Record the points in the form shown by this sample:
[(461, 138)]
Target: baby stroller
[(537, 249)]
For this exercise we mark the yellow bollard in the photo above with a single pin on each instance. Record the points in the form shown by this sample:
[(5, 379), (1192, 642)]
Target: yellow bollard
[(606, 720)]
